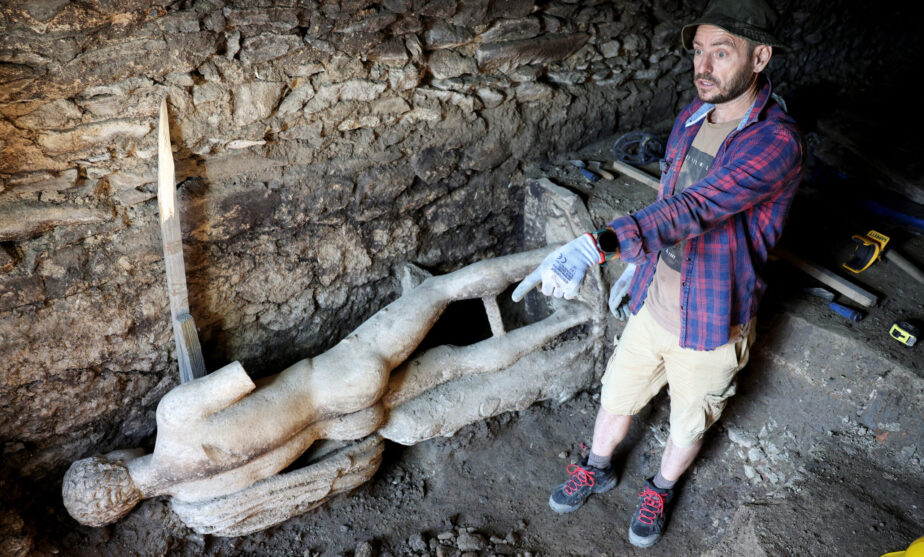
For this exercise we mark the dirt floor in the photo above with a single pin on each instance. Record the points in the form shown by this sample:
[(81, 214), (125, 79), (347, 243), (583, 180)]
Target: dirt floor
[(818, 454)]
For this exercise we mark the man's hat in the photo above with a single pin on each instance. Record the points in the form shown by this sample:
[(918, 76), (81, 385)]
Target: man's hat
[(751, 19)]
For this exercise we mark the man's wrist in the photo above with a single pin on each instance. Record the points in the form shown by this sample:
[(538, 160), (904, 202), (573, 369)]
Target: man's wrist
[(607, 242)]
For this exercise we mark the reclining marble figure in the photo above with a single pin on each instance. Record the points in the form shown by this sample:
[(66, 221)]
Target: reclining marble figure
[(223, 439)]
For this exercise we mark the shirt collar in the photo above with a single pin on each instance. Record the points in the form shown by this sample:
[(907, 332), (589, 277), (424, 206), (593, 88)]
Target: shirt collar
[(750, 116)]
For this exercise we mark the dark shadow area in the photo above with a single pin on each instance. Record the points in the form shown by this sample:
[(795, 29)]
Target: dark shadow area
[(462, 323)]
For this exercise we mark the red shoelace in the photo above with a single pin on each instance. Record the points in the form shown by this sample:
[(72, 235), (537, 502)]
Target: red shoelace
[(652, 505), (580, 476)]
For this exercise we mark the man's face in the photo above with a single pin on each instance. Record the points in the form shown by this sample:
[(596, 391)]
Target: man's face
[(722, 66)]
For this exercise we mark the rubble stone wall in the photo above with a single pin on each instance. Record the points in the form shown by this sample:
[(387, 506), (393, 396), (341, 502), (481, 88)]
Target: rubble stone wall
[(317, 144)]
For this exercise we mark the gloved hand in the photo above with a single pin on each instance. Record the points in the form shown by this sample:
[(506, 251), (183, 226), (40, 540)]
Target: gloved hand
[(619, 305), (562, 270)]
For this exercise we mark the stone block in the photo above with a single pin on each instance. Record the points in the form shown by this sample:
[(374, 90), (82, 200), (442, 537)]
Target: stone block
[(366, 23), (404, 79), (438, 9), (61, 113), (445, 64), (610, 49), (83, 137), (512, 30), (208, 92), (389, 107), (390, 53), (43, 181), (490, 97), (26, 219), (296, 98), (472, 14), (255, 101), (505, 56), (258, 20), (446, 35), (360, 90), (511, 8), (267, 46), (530, 92), (220, 168), (20, 291), (434, 163)]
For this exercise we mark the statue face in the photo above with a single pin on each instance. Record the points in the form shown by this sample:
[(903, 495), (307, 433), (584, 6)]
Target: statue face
[(98, 491)]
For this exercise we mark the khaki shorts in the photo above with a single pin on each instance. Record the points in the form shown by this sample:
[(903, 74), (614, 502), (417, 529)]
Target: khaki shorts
[(699, 382)]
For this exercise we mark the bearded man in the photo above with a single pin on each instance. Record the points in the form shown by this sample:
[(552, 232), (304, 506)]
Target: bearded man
[(731, 167)]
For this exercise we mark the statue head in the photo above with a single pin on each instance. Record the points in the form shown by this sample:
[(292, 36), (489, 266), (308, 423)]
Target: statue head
[(98, 491)]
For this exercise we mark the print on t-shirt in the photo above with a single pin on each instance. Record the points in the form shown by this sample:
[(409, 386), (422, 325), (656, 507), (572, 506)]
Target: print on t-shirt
[(695, 166)]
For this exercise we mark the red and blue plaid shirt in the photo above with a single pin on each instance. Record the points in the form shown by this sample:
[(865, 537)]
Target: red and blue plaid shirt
[(731, 219)]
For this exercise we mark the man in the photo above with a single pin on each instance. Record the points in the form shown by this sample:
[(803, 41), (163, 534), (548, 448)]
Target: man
[(732, 163)]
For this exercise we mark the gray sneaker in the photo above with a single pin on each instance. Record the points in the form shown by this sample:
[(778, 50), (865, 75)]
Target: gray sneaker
[(650, 514), (585, 479)]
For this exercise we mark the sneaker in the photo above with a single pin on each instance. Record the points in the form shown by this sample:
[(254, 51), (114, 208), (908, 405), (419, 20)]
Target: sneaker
[(648, 521), (585, 479)]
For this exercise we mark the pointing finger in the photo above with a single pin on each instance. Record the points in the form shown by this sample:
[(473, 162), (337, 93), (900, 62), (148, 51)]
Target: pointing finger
[(526, 285)]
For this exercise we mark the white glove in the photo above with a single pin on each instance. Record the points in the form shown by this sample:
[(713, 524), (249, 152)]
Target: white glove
[(562, 270), (619, 306)]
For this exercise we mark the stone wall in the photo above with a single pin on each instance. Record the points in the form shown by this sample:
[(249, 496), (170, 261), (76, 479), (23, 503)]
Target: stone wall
[(318, 144)]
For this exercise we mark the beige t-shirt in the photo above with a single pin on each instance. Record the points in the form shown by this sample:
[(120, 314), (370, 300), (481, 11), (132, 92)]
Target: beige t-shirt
[(663, 299)]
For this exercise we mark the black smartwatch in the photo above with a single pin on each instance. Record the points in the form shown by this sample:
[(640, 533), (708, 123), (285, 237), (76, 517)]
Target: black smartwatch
[(607, 241)]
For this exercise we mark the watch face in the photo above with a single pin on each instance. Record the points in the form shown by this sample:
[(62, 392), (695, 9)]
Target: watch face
[(608, 241)]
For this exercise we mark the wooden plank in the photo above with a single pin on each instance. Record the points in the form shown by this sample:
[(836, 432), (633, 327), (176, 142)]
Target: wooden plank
[(636, 174), (189, 353), (856, 293)]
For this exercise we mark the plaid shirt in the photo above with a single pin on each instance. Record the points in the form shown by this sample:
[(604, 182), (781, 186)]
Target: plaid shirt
[(731, 219)]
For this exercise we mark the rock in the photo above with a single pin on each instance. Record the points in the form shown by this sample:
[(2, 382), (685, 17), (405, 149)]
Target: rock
[(403, 79), (445, 35), (90, 135), (741, 437), (445, 64), (296, 98), (434, 163), (490, 97), (43, 181), (505, 56), (56, 114), (610, 49), (255, 101), (267, 46), (208, 92), (418, 543), (390, 53), (511, 8), (360, 90), (512, 29), (439, 9), (27, 219), (263, 19), (471, 542), (446, 551), (756, 454), (566, 77), (530, 92), (364, 549)]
